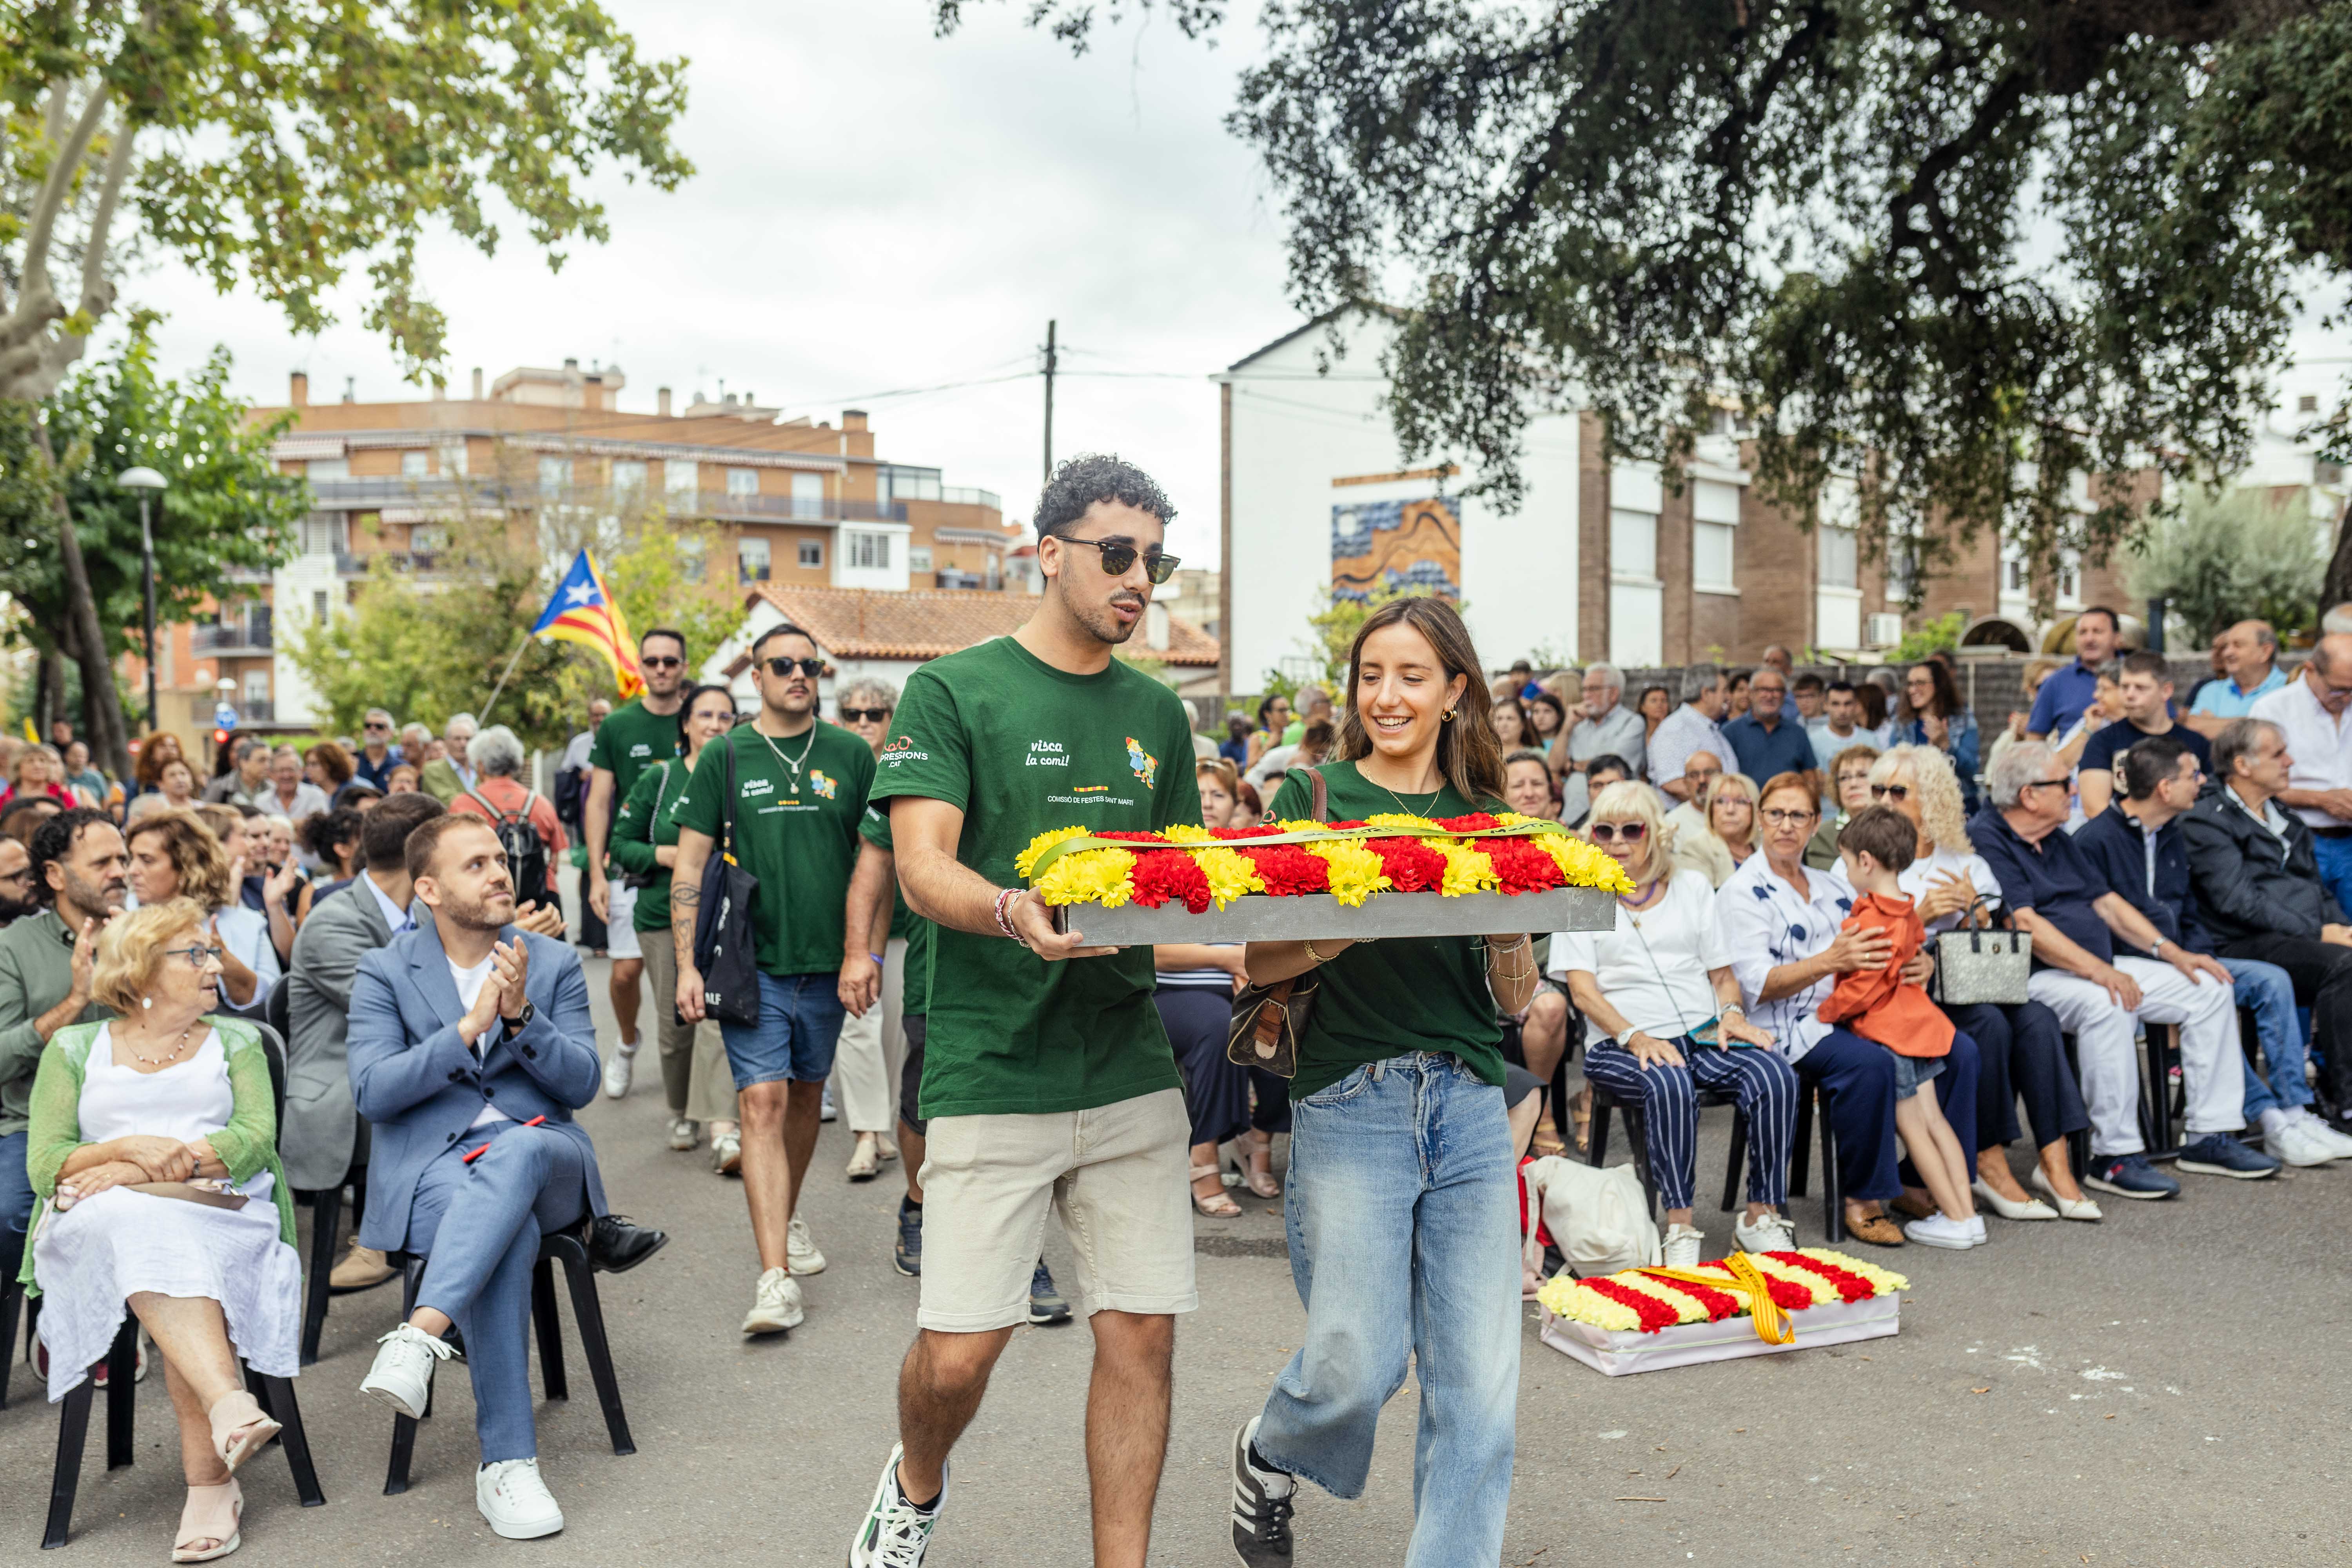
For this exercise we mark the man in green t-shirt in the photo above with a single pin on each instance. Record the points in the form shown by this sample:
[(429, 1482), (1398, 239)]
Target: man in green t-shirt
[(800, 787), (1048, 1079), (631, 739)]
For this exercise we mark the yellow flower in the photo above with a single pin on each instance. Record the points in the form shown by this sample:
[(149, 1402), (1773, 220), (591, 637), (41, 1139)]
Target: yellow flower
[(1230, 874), (1354, 870), (1467, 870), (1567, 1298), (1039, 844), (1089, 877), (1397, 819), (1300, 824), (1185, 833), (1886, 1280), (1821, 1289), (1583, 866)]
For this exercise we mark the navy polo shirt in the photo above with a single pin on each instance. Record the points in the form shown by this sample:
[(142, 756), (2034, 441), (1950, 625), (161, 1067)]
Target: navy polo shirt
[(2099, 750), (2053, 879), (2120, 847), (1783, 749), (2065, 694)]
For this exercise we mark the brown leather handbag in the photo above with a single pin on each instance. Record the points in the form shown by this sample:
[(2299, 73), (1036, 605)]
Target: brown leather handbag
[(1269, 1019)]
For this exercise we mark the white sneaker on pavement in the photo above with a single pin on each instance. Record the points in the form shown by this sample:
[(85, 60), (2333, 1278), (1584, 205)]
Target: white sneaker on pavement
[(618, 1068), (825, 1111), (2329, 1138), (1976, 1232), (777, 1307), (402, 1376), (515, 1501), (1771, 1233), (1941, 1230), (685, 1133), (895, 1532), (799, 1248), (1681, 1250)]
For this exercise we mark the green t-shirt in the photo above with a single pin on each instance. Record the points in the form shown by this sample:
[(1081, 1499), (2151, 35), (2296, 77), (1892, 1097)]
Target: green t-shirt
[(1023, 749), (1382, 999), (797, 833), (905, 923), (648, 821)]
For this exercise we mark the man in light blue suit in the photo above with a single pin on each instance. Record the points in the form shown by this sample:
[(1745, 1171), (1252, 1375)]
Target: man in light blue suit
[(471, 1045)]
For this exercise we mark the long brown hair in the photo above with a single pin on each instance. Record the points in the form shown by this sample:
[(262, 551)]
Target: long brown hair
[(1468, 754)]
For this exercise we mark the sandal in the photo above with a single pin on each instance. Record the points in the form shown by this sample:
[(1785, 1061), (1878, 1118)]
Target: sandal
[(214, 1514), (1210, 1207), (240, 1429), (1580, 1113), (1260, 1146)]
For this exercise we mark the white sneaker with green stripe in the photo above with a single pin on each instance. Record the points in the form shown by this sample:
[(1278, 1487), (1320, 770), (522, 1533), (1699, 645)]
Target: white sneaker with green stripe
[(896, 1533)]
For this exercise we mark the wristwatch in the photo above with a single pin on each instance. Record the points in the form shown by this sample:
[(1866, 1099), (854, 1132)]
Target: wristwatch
[(1625, 1039), (516, 1026), (2155, 948)]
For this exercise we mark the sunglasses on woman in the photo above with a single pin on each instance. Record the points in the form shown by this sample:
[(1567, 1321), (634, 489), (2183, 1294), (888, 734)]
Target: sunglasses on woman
[(865, 715), (1890, 792), (1119, 558), (781, 668), (1630, 831)]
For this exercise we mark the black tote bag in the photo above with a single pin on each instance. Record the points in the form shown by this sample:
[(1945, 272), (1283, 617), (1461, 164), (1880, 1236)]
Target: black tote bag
[(725, 949)]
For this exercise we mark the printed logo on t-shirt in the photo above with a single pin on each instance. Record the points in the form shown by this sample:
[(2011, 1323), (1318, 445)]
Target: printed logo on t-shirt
[(1144, 764), (902, 750), (825, 785), (641, 749), (758, 786), (1047, 754)]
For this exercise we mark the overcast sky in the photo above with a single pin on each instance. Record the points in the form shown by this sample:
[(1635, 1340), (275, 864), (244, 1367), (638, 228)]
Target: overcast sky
[(877, 208)]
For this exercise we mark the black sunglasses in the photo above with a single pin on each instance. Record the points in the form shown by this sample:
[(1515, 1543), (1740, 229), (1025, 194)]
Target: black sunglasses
[(1119, 557), (1631, 832), (811, 668), (660, 661), (1890, 792), (867, 715)]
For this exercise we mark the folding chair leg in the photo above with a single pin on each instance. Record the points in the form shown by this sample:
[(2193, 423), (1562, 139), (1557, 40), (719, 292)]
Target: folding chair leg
[(588, 1312), (1800, 1146), (73, 1430), (1637, 1133), (403, 1430), (276, 1396), (1596, 1139), (1738, 1160), (326, 1218), (1833, 1193), (550, 1330), (122, 1392)]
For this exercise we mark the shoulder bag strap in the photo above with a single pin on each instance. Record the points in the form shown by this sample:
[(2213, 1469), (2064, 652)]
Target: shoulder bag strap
[(727, 806), (1319, 806)]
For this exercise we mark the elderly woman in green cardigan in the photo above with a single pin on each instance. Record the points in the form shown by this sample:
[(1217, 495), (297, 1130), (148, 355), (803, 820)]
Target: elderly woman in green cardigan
[(153, 1152)]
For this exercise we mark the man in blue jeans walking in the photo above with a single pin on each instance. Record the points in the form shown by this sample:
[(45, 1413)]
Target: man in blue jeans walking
[(794, 789)]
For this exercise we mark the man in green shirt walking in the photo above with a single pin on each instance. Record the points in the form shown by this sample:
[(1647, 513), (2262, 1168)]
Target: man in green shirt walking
[(800, 787), (632, 738), (1047, 1078)]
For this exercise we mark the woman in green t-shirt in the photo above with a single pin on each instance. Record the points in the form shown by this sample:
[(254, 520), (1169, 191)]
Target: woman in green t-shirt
[(695, 1075), (1403, 1194)]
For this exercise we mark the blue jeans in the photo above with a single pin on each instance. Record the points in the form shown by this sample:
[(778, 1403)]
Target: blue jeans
[(1402, 1208), (2334, 857), (798, 1031), (2268, 992), (16, 1205)]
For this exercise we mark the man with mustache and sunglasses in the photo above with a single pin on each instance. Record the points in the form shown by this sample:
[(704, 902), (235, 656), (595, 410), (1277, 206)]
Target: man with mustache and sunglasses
[(800, 787), (631, 738), (1047, 1077)]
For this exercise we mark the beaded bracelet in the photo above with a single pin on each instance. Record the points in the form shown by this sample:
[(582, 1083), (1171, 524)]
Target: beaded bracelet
[(1003, 923)]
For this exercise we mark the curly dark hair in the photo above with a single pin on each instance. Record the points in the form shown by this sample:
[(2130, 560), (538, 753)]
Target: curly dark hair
[(1090, 477)]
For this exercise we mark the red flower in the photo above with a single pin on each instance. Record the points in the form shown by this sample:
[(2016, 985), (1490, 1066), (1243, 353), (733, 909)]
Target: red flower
[(1287, 869), (1134, 838), (1717, 1304), (1521, 867), (1229, 834), (1654, 1314), (1161, 875), (1787, 1294), (1851, 1287), (1477, 822), (1412, 867), (1348, 825)]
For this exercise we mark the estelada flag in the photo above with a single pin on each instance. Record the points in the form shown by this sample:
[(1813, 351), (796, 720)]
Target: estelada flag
[(585, 611)]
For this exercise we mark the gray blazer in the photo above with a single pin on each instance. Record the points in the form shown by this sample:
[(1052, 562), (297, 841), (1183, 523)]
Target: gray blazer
[(321, 1126)]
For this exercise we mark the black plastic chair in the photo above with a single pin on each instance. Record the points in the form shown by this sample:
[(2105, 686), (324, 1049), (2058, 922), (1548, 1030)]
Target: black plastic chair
[(326, 1206), (1832, 1194), (1637, 1132), (569, 1247), (2158, 1061)]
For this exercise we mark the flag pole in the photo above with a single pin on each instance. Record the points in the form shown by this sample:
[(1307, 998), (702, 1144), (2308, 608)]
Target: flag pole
[(501, 685)]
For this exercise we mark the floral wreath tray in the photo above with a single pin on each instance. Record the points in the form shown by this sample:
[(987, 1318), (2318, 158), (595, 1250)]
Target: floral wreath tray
[(1647, 1319)]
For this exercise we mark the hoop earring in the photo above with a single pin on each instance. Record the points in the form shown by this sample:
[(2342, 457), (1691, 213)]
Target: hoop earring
[(1447, 717)]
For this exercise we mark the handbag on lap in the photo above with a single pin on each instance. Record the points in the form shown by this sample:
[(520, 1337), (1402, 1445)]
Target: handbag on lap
[(1975, 965)]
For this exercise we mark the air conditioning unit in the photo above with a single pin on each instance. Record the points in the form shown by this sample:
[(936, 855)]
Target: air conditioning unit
[(1882, 631)]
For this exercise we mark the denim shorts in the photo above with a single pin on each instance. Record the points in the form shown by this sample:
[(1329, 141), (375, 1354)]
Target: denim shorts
[(1910, 1072), (799, 1023)]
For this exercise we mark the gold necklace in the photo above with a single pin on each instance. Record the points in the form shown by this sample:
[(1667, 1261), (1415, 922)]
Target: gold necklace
[(168, 1056)]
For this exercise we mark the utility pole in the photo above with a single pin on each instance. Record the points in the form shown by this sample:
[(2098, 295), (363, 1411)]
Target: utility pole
[(1050, 363)]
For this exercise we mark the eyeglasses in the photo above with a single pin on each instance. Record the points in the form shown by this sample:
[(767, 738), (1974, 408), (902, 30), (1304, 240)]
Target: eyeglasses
[(812, 667), (1627, 832), (196, 957), (865, 715), (378, 724), (1780, 818), (660, 660), (1119, 558), (2042, 784), (1890, 792)]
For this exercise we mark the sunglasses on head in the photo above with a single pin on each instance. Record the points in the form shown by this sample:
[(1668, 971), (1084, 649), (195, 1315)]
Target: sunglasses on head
[(812, 667), (865, 715), (1119, 558), (660, 661), (1630, 831), (1890, 792)]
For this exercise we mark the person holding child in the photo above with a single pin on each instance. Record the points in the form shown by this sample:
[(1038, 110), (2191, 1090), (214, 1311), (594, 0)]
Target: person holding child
[(1881, 1005)]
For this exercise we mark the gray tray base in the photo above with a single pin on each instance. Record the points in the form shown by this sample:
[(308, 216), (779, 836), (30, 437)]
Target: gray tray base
[(1314, 916)]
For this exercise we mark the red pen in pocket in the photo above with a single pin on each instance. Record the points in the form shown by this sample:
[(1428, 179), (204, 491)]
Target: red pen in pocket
[(473, 1155)]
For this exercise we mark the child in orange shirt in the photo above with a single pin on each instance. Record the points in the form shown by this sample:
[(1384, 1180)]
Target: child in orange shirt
[(1881, 1005)]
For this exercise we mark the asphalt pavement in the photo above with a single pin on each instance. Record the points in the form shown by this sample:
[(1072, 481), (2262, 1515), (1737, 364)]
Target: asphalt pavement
[(2167, 1387)]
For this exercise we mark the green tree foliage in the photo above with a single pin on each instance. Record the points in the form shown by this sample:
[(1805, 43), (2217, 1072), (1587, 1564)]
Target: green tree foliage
[(1964, 250), (1929, 637), (1331, 632), (2239, 555)]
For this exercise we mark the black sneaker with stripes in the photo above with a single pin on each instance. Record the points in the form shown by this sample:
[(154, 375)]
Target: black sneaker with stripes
[(1262, 1503)]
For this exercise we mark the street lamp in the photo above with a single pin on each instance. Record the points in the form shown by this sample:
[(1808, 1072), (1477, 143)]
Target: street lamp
[(144, 480)]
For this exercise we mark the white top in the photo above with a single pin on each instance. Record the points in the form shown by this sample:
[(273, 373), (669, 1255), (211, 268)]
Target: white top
[(1654, 966), (1766, 923), (2320, 743), (469, 984), (188, 1100), (1617, 735), (1683, 731), (246, 932), (1917, 877)]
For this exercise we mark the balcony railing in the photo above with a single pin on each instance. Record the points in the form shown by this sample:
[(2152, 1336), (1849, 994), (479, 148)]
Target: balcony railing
[(471, 493), (967, 495), (255, 711), (230, 638), (353, 563)]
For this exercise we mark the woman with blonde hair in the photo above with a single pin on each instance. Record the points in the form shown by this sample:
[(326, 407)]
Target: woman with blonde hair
[(1728, 836), (174, 855), (2019, 1046), (152, 1147)]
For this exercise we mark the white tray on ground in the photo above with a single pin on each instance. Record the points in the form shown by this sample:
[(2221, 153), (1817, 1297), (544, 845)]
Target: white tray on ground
[(1319, 916), (1622, 1352)]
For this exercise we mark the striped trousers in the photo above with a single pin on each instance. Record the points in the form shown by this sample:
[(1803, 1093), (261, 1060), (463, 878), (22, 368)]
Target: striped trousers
[(1763, 1082)]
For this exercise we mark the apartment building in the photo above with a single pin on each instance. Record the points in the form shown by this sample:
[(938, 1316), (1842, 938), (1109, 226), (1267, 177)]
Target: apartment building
[(792, 502)]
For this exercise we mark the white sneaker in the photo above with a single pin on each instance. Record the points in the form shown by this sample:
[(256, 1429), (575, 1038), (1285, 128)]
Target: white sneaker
[(863, 1158), (726, 1153), (2294, 1143), (618, 1068), (1941, 1230), (402, 1374), (825, 1112), (777, 1307), (685, 1133), (799, 1248), (895, 1532), (2325, 1136), (1682, 1246), (1772, 1233), (515, 1501), (1977, 1229)]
